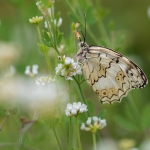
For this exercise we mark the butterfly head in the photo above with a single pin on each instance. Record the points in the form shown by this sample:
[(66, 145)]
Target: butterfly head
[(83, 48)]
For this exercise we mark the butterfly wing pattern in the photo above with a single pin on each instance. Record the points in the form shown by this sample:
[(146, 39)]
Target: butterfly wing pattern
[(110, 74)]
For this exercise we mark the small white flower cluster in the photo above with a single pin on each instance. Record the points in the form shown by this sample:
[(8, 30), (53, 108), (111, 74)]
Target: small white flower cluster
[(31, 72), (68, 68), (94, 124), (43, 80), (36, 20), (75, 109)]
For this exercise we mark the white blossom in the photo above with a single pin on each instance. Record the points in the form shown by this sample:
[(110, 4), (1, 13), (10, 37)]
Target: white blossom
[(68, 68), (93, 124), (102, 123), (35, 69), (69, 61), (75, 109), (31, 71), (59, 23), (95, 118), (45, 24), (27, 70), (82, 126), (88, 122), (58, 68)]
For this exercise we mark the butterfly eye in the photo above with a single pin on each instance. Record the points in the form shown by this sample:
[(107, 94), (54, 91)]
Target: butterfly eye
[(104, 93)]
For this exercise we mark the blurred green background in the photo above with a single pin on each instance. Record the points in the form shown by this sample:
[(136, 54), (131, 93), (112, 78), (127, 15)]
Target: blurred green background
[(20, 38)]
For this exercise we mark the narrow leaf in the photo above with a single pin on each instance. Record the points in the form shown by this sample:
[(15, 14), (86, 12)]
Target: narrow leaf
[(46, 36), (59, 38), (48, 44)]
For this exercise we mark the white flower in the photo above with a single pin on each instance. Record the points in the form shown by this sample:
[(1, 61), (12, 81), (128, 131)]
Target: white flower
[(88, 122), (68, 68), (82, 126), (33, 72), (62, 72), (44, 80), (27, 70), (102, 123), (45, 24), (75, 109), (59, 22), (94, 123), (58, 68), (69, 61), (35, 69), (95, 118)]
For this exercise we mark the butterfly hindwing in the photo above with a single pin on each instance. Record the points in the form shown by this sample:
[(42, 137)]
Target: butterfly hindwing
[(110, 74)]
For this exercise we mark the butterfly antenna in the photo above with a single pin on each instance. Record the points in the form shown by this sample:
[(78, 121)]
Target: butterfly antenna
[(85, 26), (83, 35)]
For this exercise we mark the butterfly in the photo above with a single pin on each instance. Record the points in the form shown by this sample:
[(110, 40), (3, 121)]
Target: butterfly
[(110, 74)]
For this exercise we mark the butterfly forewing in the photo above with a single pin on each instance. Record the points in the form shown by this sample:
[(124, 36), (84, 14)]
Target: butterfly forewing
[(110, 74)]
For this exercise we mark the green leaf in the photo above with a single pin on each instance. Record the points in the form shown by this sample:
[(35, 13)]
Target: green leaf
[(146, 116), (59, 38), (119, 42), (56, 122), (111, 25), (42, 47), (90, 106), (46, 36), (102, 113), (126, 124), (48, 44), (73, 26)]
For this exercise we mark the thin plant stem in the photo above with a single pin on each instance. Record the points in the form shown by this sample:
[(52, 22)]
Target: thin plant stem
[(69, 92), (78, 134), (94, 141), (48, 62), (70, 133), (3, 122), (81, 93), (57, 138), (135, 110), (79, 87), (45, 49)]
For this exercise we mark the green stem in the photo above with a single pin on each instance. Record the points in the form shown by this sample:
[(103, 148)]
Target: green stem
[(48, 62), (69, 92), (78, 134), (57, 138), (39, 33), (94, 141), (135, 110), (70, 134), (46, 51), (81, 93)]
